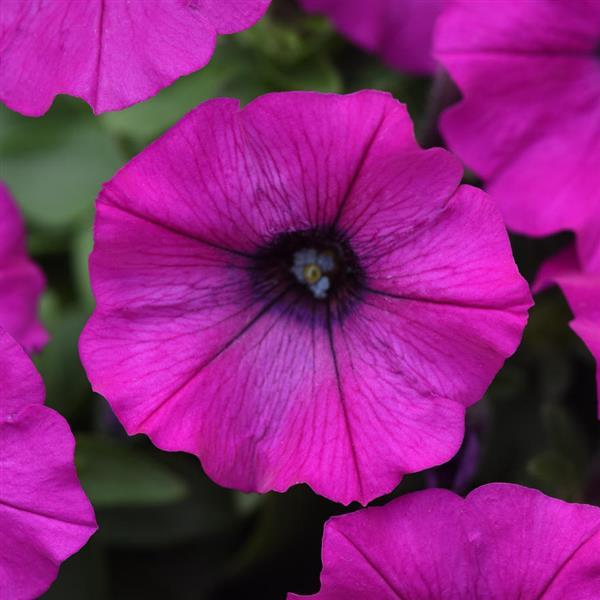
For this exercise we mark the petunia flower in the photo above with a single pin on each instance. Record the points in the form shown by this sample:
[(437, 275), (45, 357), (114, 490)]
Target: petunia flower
[(529, 123), (582, 291), (110, 53), (44, 514), (21, 281), (502, 542), (400, 31), (296, 292)]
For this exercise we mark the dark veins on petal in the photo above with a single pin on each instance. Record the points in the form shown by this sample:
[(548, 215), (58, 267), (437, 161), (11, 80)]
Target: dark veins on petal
[(318, 266), (322, 280)]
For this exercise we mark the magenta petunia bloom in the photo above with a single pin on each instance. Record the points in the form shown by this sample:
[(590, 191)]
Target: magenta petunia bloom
[(21, 281), (582, 291), (529, 123), (44, 514), (400, 31), (501, 542), (110, 53), (297, 292)]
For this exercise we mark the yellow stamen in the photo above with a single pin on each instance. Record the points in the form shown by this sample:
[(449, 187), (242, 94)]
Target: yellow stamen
[(312, 273)]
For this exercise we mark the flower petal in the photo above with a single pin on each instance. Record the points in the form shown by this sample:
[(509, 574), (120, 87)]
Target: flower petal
[(396, 420), (21, 281), (534, 155), (309, 151), (44, 514), (109, 52), (362, 561), (510, 527), (400, 32), (456, 289), (285, 162), (493, 544), (21, 383)]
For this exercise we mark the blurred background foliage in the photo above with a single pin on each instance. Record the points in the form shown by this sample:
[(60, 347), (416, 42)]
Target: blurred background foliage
[(166, 531)]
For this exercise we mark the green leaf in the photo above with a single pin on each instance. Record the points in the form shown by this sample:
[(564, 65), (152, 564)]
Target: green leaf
[(206, 513), (81, 247), (287, 42), (247, 504), (89, 570), (116, 474), (285, 524), (316, 73), (556, 475), (563, 435), (67, 388), (55, 165)]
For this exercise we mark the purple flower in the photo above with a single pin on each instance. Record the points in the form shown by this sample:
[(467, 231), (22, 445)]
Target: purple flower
[(400, 31), (44, 514), (502, 542), (297, 292), (111, 53), (529, 123), (582, 291), (21, 281)]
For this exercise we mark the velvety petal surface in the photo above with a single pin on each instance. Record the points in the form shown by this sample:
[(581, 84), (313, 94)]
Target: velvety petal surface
[(588, 246), (21, 383), (529, 545), (400, 31), (453, 272), (21, 281), (535, 155), (44, 514), (582, 291), (266, 391), (494, 545), (431, 330), (111, 53), (413, 547)]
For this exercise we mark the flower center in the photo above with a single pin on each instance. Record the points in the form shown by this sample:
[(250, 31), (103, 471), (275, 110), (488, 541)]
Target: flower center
[(311, 273), (312, 268), (315, 265)]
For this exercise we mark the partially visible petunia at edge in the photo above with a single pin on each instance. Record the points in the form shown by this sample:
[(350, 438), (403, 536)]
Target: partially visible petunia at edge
[(399, 31), (529, 120), (501, 542), (45, 516), (110, 53), (21, 280)]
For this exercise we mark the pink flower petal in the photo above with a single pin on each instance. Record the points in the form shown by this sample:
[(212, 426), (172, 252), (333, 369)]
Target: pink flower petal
[(532, 546), (21, 281), (194, 345), (401, 31), (502, 542), (439, 282), (21, 383), (538, 157), (110, 53), (297, 153), (588, 245), (388, 552), (44, 514)]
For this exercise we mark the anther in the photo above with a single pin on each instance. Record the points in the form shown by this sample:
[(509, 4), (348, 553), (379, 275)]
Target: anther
[(312, 273)]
